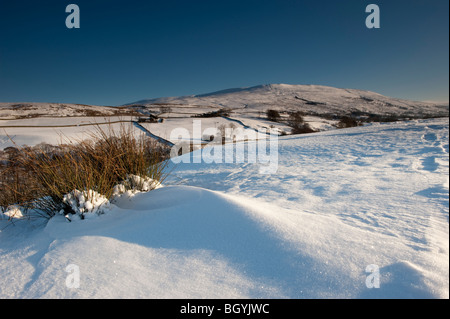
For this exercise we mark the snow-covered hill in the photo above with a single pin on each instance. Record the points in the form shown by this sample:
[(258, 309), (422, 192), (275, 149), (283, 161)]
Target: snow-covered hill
[(244, 102), (311, 99), (346, 210), (34, 110)]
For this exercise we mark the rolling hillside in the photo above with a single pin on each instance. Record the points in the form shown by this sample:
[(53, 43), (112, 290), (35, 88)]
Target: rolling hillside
[(310, 99)]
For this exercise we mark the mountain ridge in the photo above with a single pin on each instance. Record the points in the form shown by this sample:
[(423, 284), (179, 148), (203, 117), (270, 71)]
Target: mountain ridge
[(275, 86)]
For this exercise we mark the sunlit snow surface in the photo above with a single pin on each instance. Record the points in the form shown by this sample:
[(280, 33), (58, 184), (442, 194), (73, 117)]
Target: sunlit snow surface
[(340, 201)]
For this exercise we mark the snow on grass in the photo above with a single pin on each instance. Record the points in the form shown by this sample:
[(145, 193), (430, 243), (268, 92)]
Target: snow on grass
[(13, 212), (86, 203), (342, 204), (133, 185)]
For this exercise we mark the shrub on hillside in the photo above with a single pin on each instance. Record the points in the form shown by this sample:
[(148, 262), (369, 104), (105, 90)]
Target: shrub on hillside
[(273, 115), (296, 119), (218, 113), (303, 128), (347, 121)]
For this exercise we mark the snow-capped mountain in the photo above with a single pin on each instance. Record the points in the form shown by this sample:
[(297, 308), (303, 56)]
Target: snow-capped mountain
[(312, 99)]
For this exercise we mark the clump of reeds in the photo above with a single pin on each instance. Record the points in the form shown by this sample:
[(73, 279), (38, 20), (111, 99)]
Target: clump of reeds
[(40, 179)]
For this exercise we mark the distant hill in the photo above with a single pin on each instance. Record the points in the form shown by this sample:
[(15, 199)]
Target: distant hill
[(311, 99), (252, 101), (33, 110)]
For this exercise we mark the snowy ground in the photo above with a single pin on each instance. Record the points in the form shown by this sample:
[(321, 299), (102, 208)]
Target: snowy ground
[(54, 130), (345, 207), (57, 130)]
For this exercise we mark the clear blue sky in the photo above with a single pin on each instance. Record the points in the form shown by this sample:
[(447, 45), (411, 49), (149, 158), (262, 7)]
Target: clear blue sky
[(130, 50)]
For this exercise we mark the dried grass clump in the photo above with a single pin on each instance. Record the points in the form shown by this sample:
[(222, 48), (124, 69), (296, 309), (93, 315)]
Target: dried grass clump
[(40, 179)]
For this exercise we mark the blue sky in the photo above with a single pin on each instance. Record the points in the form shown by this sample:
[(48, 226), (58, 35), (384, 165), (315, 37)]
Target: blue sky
[(130, 50)]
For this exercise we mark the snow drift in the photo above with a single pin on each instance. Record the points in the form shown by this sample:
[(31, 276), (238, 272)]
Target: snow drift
[(341, 201)]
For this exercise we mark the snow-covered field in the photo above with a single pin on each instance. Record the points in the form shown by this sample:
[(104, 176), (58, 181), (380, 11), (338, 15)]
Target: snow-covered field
[(61, 129), (53, 131), (347, 210)]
